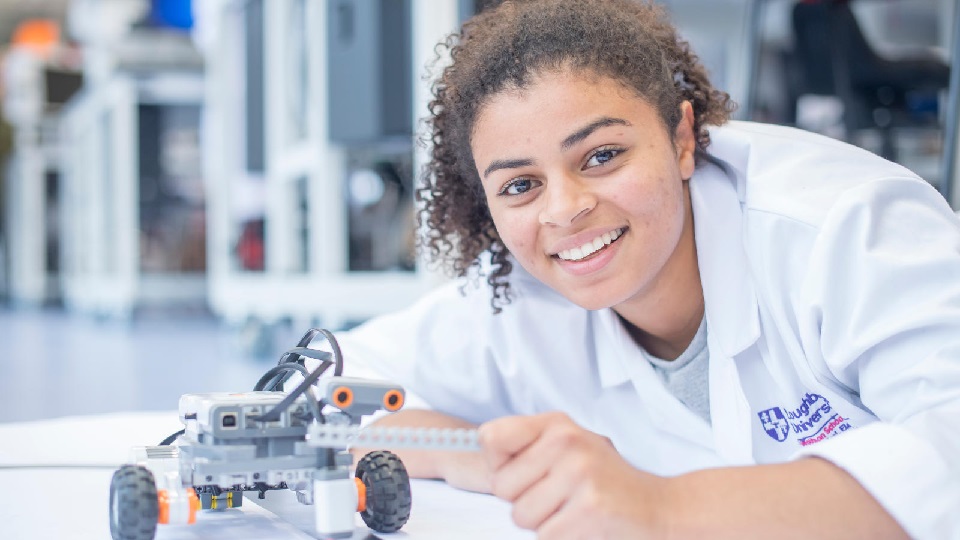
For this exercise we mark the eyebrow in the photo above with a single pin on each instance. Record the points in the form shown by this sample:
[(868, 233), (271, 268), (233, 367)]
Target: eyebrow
[(506, 164), (571, 140), (585, 131)]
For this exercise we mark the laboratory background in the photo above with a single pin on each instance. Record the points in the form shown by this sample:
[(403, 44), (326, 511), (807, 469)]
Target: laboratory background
[(187, 187)]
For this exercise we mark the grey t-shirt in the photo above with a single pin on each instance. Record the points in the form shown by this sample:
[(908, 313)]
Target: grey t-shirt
[(687, 376)]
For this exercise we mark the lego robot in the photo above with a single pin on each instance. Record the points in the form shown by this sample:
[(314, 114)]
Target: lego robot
[(269, 439)]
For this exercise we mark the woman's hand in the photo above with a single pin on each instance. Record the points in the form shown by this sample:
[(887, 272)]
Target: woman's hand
[(567, 482)]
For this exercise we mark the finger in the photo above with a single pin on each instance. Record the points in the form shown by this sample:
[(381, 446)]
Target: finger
[(581, 517), (540, 501), (511, 434), (518, 475), (567, 525), (530, 465), (500, 439)]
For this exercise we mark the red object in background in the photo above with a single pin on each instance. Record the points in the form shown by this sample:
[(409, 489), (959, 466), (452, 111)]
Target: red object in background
[(250, 249)]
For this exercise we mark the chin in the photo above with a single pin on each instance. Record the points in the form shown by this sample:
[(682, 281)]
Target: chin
[(589, 301)]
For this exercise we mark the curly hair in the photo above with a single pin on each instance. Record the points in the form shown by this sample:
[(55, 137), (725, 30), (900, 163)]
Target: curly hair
[(630, 41)]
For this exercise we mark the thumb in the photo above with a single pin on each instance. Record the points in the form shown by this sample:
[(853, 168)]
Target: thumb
[(503, 438)]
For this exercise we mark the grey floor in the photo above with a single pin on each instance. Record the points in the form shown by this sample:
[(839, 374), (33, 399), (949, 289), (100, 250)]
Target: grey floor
[(54, 364)]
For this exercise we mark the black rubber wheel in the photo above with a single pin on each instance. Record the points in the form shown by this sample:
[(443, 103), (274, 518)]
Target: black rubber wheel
[(388, 491), (133, 504)]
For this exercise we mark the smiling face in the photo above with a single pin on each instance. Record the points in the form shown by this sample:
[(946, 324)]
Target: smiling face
[(587, 190)]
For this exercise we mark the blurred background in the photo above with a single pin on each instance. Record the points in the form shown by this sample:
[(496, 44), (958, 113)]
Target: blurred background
[(187, 187)]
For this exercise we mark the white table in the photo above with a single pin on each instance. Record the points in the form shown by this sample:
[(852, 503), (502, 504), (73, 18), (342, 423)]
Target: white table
[(64, 492)]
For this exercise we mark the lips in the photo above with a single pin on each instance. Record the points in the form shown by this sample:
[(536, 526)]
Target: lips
[(591, 247)]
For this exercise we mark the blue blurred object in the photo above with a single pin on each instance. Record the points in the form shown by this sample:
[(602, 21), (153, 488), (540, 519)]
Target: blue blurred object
[(172, 14)]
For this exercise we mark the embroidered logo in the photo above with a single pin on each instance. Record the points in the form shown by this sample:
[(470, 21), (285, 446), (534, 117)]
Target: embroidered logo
[(813, 421), (775, 423)]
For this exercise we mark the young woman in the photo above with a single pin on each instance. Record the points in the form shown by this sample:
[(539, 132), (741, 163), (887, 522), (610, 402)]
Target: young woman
[(689, 327)]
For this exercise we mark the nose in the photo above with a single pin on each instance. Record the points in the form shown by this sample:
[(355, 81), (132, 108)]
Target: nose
[(566, 201)]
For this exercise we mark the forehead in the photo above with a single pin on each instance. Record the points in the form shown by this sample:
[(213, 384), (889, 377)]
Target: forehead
[(559, 100)]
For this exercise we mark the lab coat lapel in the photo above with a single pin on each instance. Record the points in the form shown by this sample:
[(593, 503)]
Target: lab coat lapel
[(730, 298), (620, 361)]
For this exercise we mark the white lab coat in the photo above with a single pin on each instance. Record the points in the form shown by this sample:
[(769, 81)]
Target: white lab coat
[(831, 282)]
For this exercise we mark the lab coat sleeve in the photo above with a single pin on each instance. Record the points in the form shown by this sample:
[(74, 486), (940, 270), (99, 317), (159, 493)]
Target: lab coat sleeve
[(439, 350), (884, 300)]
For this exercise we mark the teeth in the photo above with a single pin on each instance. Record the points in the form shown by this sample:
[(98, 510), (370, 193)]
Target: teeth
[(590, 248)]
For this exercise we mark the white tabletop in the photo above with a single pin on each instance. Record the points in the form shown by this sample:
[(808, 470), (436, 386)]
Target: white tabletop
[(55, 483)]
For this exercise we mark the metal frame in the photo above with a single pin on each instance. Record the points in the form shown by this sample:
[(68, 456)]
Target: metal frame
[(325, 290), (99, 175), (36, 151), (101, 248)]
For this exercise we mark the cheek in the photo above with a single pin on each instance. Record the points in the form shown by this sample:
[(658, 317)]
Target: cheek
[(658, 209), (649, 201), (514, 232), (670, 209)]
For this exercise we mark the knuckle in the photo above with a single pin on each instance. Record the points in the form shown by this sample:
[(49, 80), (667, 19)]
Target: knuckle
[(566, 436), (580, 467), (558, 416), (591, 501)]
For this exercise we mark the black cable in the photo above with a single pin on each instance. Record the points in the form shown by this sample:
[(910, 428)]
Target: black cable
[(295, 354), (316, 354), (272, 373), (172, 437), (337, 355), (309, 337), (294, 357), (274, 414)]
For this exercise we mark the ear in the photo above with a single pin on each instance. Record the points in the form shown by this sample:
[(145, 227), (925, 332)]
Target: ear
[(685, 141)]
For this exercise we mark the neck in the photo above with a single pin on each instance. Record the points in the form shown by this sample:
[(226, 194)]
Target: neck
[(665, 320)]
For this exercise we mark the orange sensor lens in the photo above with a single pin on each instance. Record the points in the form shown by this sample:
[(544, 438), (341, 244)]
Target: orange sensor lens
[(393, 400), (342, 397)]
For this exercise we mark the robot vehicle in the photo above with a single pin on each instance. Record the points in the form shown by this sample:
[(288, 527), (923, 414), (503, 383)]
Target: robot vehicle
[(269, 439)]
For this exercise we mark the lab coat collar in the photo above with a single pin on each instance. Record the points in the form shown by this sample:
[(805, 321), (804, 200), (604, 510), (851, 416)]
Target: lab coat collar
[(610, 334), (620, 361), (717, 192)]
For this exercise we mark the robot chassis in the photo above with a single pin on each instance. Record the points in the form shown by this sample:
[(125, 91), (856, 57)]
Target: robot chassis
[(269, 439)]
